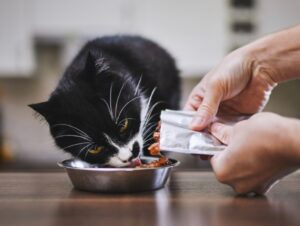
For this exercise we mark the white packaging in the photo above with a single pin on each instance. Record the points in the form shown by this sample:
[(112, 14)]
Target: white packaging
[(175, 135)]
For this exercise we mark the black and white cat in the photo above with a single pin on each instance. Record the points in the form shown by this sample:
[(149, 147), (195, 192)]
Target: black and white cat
[(106, 106)]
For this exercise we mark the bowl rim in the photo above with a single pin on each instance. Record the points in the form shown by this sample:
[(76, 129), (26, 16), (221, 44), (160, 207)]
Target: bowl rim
[(63, 163)]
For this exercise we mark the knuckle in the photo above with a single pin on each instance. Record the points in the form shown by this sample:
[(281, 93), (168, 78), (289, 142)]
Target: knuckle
[(217, 84), (221, 170), (207, 108), (214, 82), (240, 189), (222, 176)]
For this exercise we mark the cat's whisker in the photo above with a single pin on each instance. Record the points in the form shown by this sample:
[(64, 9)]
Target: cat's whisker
[(72, 135), (153, 106), (125, 120), (133, 99), (146, 122), (73, 145), (149, 129), (148, 116), (147, 140), (85, 147), (110, 99), (73, 127), (149, 137), (108, 108), (146, 144), (150, 98), (149, 101), (138, 85), (117, 101), (149, 124)]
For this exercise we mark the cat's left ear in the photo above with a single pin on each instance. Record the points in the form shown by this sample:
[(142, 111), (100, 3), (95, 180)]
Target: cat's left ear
[(95, 64), (42, 108), (90, 65)]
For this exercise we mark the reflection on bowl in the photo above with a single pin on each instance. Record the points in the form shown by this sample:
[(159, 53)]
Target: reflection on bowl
[(119, 179)]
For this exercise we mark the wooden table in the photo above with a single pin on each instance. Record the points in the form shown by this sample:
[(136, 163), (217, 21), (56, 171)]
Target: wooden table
[(190, 198)]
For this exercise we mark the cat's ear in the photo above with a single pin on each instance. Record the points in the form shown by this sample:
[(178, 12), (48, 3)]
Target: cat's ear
[(90, 65), (95, 64), (42, 108)]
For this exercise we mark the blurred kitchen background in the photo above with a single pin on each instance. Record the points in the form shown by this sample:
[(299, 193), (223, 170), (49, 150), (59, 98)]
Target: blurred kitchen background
[(38, 38)]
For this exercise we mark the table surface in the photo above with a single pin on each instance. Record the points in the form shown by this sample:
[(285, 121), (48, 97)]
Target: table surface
[(190, 198)]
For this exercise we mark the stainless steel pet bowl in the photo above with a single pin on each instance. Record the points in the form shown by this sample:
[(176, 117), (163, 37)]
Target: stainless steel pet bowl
[(119, 179)]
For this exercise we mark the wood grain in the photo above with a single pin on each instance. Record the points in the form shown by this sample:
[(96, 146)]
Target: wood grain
[(190, 198)]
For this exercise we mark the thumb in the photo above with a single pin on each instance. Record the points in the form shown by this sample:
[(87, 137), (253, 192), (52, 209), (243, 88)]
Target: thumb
[(207, 110), (219, 163), (222, 132)]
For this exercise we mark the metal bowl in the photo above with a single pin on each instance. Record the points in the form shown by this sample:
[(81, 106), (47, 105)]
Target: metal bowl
[(119, 179)]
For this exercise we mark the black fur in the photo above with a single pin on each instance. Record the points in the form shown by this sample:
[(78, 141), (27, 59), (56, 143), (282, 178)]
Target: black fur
[(102, 66)]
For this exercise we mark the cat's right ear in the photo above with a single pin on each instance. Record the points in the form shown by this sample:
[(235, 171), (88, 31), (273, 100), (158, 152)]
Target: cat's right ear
[(95, 65), (42, 108), (90, 66)]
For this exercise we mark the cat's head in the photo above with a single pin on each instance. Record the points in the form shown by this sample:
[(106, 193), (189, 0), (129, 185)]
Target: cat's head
[(96, 115)]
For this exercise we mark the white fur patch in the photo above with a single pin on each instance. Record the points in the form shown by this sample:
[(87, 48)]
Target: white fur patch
[(116, 162), (125, 151), (143, 117), (77, 163)]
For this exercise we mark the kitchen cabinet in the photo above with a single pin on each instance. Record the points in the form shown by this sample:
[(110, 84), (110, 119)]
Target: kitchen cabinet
[(197, 33), (16, 43), (193, 31)]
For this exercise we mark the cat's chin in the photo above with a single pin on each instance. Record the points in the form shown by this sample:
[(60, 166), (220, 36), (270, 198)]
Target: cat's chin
[(116, 162)]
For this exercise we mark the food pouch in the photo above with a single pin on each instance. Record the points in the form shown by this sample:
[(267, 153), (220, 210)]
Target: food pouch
[(175, 135)]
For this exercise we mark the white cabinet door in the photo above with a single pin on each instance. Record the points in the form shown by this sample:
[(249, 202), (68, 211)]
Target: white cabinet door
[(16, 52), (194, 31), (69, 18)]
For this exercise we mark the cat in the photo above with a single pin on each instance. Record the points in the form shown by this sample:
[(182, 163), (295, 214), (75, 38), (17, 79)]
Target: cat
[(106, 106)]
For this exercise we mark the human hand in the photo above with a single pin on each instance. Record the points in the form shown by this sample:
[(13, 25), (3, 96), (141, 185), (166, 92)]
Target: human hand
[(260, 151), (236, 87)]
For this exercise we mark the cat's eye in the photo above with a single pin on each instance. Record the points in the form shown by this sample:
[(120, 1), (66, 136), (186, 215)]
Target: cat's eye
[(96, 150), (124, 125)]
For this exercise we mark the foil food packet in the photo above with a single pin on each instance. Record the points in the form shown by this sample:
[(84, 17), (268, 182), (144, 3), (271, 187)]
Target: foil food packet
[(175, 135)]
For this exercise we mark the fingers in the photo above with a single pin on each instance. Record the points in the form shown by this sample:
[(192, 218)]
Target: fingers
[(205, 157), (222, 132), (207, 110), (218, 164), (193, 103), (195, 98)]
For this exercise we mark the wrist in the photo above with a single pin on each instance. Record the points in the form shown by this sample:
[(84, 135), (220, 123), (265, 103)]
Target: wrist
[(263, 67), (276, 57), (258, 67)]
